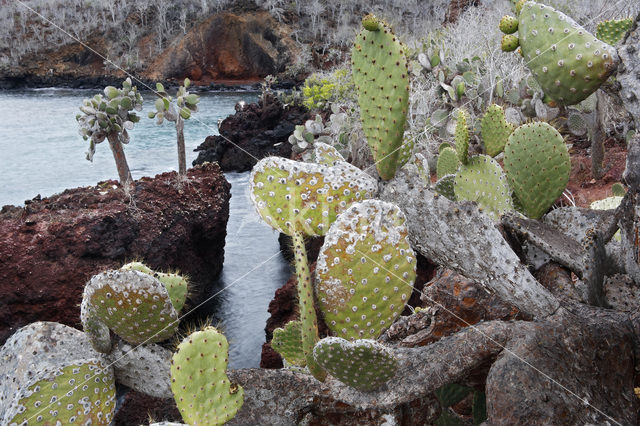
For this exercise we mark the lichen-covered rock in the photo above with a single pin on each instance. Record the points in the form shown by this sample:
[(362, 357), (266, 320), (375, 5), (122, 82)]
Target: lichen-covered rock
[(49, 374)]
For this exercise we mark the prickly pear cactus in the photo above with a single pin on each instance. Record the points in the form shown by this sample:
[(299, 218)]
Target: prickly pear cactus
[(177, 285), (203, 393), (50, 375), (448, 162), (406, 150), (365, 270), (568, 61), (495, 130), (537, 164), (509, 43), (612, 31), (462, 135), (133, 304), (362, 364), (483, 181), (445, 187), (326, 154), (111, 113), (381, 77), (304, 197), (287, 342), (508, 24)]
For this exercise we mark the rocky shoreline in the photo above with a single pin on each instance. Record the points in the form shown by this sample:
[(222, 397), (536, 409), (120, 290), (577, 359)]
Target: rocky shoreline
[(61, 241)]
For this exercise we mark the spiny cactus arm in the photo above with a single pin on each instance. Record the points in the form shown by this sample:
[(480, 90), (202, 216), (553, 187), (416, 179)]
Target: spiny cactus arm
[(49, 374), (629, 72), (144, 368), (307, 307), (381, 77), (462, 135), (467, 241), (202, 390)]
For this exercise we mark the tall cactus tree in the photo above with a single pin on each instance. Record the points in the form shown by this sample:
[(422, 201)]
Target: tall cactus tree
[(381, 76), (110, 117), (178, 112)]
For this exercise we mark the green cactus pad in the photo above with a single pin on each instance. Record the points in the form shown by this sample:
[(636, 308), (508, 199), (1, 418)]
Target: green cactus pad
[(613, 31), (568, 61), (448, 162), (381, 77), (362, 364), (444, 145), (177, 286), (483, 181), (305, 197), (50, 375), (495, 130), (445, 187), (462, 135), (365, 270), (537, 164), (576, 123), (508, 24), (326, 154), (617, 189), (133, 304), (509, 43), (203, 393), (287, 342)]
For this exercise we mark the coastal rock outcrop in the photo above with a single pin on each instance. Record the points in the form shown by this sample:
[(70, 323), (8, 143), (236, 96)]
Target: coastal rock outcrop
[(255, 131), (49, 248)]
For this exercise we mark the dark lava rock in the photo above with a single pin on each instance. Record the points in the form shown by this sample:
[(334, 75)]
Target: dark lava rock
[(51, 247), (256, 131), (137, 408)]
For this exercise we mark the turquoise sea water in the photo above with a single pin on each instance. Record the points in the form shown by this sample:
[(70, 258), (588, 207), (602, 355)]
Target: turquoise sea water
[(42, 153)]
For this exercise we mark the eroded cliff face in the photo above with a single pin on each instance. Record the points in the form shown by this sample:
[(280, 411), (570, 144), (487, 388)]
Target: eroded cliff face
[(51, 247), (226, 47)]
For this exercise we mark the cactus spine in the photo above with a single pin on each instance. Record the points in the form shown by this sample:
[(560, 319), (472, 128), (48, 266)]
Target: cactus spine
[(381, 76)]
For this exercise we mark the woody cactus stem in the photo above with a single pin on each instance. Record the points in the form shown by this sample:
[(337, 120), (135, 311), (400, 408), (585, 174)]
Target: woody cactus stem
[(121, 160), (182, 157), (307, 310)]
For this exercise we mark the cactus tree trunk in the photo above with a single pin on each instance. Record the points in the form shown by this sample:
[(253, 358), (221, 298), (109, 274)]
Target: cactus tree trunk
[(182, 161), (121, 160), (307, 309)]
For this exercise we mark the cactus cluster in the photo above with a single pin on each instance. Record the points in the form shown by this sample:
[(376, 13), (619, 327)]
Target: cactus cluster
[(612, 31), (381, 77), (135, 305), (203, 392), (50, 375), (537, 164), (362, 364), (568, 61), (365, 270)]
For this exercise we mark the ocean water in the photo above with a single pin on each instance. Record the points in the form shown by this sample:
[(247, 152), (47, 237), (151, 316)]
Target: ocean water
[(42, 153)]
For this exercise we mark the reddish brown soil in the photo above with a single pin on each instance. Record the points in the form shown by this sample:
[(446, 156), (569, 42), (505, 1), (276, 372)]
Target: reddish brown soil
[(583, 186)]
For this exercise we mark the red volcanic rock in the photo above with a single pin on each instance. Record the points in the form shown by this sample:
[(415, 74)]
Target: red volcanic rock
[(51, 247), (226, 46)]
